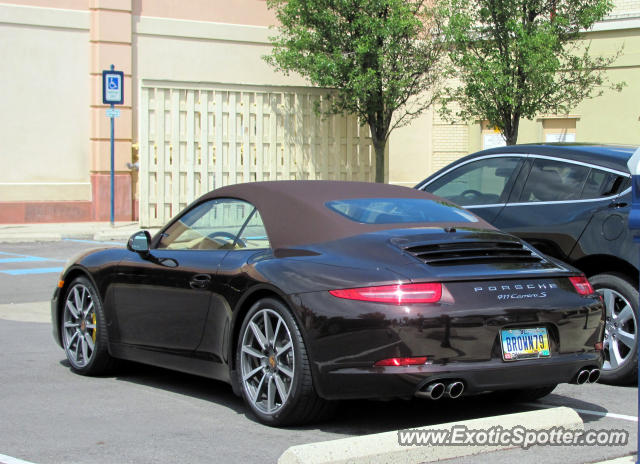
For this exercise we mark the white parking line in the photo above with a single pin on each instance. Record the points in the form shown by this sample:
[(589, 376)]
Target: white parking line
[(9, 460), (587, 411)]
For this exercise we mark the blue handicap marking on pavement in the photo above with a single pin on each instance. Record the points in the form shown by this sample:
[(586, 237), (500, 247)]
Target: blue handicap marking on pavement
[(26, 259), (37, 270), (10, 254), (13, 258)]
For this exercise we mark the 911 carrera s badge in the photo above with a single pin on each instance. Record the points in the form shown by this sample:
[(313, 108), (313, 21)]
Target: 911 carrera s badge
[(520, 291), (524, 343)]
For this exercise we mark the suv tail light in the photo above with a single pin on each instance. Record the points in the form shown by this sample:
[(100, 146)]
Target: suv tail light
[(399, 294), (582, 285)]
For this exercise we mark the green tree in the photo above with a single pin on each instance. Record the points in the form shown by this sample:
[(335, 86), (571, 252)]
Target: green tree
[(377, 56), (514, 59)]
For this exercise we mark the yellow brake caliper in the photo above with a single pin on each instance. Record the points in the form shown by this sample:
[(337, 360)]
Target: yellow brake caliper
[(95, 328)]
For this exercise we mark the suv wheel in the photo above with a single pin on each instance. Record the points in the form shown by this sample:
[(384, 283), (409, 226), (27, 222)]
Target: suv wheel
[(621, 328)]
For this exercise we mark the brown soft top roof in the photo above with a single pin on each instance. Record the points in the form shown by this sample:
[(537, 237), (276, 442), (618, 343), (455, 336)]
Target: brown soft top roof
[(294, 212)]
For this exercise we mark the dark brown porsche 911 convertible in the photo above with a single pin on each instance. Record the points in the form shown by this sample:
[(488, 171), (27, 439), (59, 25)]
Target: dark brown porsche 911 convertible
[(303, 292)]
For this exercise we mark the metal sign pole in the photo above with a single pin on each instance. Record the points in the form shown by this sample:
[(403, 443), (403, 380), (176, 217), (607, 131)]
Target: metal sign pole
[(112, 175), (112, 167), (112, 94)]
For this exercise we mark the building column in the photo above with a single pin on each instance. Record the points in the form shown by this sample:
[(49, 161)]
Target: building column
[(110, 43)]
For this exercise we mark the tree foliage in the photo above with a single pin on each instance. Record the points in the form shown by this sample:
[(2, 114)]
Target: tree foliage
[(376, 55), (514, 59)]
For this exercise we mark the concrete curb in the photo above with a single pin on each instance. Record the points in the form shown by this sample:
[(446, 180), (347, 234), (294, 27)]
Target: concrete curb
[(623, 460), (383, 448), (99, 232)]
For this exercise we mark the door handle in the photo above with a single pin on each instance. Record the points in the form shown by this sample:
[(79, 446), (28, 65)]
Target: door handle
[(200, 281), (619, 204)]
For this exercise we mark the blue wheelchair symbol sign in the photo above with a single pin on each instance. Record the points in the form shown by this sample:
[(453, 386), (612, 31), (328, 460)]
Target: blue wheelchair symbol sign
[(112, 87), (113, 83)]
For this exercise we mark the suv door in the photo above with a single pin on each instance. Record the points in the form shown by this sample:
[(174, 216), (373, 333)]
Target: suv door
[(480, 185), (547, 208)]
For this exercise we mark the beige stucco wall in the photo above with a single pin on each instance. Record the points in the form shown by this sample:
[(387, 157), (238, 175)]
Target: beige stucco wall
[(46, 53), (44, 101), (249, 12)]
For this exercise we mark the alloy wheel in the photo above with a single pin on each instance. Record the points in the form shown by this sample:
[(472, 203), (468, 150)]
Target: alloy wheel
[(267, 361), (79, 326), (621, 329)]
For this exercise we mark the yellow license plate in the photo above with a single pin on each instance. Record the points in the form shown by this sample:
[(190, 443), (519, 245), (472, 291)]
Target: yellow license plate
[(524, 343)]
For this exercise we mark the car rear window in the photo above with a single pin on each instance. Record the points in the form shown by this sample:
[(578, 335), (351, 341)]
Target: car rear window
[(399, 210)]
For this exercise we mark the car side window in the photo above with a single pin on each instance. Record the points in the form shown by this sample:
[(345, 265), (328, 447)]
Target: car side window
[(602, 184), (481, 182), (551, 180), (212, 225), (254, 234)]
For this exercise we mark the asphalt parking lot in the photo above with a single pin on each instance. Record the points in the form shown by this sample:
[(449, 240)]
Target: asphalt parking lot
[(145, 414)]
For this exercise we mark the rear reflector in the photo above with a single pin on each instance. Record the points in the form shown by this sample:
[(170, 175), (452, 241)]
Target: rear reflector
[(400, 294), (582, 285), (402, 361)]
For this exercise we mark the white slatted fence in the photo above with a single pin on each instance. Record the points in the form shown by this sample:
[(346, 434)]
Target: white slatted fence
[(196, 138)]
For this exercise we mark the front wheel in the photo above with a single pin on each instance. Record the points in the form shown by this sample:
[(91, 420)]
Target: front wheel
[(273, 367), (83, 329), (621, 328)]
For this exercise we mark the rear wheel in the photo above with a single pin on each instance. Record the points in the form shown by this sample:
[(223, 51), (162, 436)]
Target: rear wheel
[(621, 328), (273, 367), (83, 329)]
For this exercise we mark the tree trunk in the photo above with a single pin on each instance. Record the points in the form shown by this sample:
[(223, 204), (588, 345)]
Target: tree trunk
[(379, 146), (511, 132)]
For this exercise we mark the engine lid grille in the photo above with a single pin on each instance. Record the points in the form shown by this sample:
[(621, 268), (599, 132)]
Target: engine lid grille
[(472, 252)]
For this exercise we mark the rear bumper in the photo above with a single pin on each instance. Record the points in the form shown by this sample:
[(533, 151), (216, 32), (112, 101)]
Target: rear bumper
[(399, 382), (461, 341)]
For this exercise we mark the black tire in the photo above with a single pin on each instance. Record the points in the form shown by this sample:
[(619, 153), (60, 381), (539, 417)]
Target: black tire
[(98, 362), (626, 372), (302, 404), (527, 394)]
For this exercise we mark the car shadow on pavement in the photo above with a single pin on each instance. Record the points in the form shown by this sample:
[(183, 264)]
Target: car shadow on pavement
[(180, 383), (352, 417), (365, 416)]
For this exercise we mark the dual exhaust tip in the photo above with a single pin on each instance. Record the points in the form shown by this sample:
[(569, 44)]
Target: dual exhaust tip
[(436, 390), (587, 376)]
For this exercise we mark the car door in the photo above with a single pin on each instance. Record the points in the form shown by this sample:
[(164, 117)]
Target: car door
[(607, 232), (234, 278), (481, 185), (162, 298), (546, 207)]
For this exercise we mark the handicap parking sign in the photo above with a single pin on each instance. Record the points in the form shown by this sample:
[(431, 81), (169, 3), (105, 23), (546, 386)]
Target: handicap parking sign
[(112, 87)]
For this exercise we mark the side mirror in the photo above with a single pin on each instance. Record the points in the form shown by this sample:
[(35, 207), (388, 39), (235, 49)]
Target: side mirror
[(139, 242)]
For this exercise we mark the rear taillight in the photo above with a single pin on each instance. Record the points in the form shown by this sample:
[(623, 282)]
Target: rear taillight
[(400, 294), (402, 361), (582, 285)]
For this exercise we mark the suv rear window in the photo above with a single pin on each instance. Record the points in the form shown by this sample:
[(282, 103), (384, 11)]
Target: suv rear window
[(551, 180), (399, 210)]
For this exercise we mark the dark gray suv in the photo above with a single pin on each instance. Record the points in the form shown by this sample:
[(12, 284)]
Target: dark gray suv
[(571, 202)]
